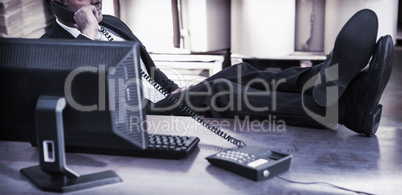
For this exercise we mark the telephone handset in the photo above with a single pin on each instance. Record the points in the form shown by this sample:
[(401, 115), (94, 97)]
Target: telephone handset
[(68, 15), (62, 12)]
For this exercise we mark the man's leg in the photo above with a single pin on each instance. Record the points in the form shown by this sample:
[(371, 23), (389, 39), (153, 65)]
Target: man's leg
[(353, 48), (287, 80), (222, 98)]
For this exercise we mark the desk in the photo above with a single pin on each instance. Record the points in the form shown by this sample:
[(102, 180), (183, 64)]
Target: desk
[(339, 157)]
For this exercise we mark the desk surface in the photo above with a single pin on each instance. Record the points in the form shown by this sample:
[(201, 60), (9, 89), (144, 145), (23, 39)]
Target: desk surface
[(339, 157)]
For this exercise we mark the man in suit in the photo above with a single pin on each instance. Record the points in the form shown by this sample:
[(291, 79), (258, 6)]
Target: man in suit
[(337, 91)]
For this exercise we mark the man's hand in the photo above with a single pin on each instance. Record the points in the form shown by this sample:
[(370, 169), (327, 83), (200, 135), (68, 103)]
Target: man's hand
[(87, 19)]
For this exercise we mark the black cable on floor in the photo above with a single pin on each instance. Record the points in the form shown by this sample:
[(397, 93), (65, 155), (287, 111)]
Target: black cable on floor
[(322, 183)]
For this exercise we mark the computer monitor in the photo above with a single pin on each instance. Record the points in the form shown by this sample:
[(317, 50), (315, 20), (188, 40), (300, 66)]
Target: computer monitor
[(99, 80)]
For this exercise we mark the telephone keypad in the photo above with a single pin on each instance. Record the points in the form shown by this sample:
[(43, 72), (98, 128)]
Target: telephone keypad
[(240, 157)]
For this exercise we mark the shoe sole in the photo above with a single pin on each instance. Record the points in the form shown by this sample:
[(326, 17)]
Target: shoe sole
[(382, 73), (350, 53), (372, 121)]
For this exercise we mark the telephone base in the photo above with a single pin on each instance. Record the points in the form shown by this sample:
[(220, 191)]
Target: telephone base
[(255, 163)]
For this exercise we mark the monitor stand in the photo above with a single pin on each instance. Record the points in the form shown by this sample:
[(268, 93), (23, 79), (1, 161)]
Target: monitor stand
[(52, 174)]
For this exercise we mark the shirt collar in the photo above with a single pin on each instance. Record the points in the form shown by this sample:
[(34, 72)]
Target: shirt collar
[(73, 31)]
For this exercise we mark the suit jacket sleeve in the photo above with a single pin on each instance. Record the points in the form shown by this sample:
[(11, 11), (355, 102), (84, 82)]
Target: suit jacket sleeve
[(115, 24)]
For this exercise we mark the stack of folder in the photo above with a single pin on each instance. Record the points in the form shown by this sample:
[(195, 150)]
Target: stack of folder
[(24, 18)]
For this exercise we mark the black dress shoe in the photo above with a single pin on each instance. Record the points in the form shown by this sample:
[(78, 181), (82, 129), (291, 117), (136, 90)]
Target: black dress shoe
[(353, 48), (360, 110)]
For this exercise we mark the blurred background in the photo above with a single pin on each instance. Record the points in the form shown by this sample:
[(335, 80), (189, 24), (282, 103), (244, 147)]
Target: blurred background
[(258, 28), (200, 37)]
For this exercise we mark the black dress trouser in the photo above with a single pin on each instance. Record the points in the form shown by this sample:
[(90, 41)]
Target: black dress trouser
[(243, 91)]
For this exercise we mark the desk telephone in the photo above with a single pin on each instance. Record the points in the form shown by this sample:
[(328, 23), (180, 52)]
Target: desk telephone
[(255, 163)]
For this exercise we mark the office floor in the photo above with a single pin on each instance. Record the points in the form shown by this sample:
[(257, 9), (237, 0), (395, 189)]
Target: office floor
[(339, 157)]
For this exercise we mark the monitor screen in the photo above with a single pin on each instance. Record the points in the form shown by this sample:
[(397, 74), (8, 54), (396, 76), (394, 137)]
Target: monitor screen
[(99, 80)]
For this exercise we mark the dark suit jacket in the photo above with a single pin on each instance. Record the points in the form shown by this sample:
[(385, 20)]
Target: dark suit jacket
[(113, 23)]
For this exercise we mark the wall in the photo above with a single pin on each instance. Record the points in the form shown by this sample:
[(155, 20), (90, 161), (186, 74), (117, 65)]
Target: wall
[(151, 22), (263, 28)]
